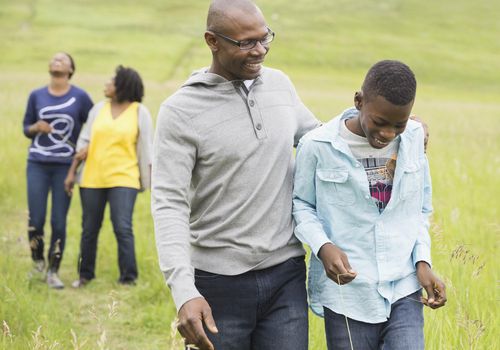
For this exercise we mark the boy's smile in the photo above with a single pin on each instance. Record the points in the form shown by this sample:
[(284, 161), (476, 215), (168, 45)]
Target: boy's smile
[(379, 120)]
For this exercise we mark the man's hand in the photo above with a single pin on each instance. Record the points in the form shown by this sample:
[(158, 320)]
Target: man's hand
[(434, 287), (336, 264), (426, 129), (191, 316)]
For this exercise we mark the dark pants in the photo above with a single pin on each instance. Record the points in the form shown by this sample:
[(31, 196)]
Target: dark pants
[(404, 330), (41, 179), (121, 202), (258, 310)]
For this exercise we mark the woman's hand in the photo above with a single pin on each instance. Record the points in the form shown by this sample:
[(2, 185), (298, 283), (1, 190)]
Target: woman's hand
[(40, 127), (81, 155), (69, 182)]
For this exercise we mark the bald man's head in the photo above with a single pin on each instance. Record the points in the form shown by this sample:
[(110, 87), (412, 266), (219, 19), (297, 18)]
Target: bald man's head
[(229, 24), (224, 15)]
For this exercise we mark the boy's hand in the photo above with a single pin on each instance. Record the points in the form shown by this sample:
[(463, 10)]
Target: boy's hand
[(336, 264), (434, 287)]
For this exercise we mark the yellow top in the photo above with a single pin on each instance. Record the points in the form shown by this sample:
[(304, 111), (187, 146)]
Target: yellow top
[(112, 155)]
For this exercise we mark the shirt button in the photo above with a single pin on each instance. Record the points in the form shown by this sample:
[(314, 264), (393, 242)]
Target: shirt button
[(251, 103), (258, 126)]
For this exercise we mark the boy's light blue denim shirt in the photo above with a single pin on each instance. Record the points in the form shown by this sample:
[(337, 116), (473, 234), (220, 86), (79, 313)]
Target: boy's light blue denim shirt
[(332, 204)]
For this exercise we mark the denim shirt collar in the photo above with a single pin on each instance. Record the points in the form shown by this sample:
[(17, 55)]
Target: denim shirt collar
[(331, 134)]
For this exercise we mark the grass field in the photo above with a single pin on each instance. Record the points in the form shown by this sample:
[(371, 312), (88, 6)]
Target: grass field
[(326, 47)]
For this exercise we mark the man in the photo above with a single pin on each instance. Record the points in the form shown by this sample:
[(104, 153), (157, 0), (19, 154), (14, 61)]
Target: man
[(222, 192)]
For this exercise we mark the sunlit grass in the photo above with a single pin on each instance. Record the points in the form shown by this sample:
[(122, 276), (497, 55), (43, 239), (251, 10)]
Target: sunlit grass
[(326, 47)]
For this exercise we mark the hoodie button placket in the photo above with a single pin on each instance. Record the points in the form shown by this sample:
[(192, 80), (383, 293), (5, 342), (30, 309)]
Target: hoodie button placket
[(256, 117)]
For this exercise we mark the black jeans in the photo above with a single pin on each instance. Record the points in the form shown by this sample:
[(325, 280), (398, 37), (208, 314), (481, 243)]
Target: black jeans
[(121, 202), (258, 310)]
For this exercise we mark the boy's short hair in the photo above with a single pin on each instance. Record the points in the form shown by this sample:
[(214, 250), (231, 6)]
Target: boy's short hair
[(128, 85), (392, 80)]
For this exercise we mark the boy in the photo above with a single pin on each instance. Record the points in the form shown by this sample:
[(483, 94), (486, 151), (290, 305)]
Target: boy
[(362, 198)]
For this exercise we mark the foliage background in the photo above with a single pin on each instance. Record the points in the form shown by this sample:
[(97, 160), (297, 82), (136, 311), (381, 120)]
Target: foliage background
[(326, 48)]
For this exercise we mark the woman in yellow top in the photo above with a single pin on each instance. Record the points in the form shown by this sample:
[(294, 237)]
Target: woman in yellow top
[(115, 146)]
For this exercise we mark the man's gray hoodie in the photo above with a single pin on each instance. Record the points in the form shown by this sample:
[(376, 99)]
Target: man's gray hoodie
[(222, 178)]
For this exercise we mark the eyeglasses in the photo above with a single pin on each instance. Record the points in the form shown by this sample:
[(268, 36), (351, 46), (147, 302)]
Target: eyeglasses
[(250, 43)]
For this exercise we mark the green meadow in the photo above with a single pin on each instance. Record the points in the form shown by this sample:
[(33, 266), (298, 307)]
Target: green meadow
[(326, 47)]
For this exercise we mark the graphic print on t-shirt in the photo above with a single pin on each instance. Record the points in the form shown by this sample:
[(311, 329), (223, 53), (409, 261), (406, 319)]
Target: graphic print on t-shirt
[(380, 173), (56, 143)]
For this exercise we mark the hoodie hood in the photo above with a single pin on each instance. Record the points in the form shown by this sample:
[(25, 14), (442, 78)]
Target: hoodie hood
[(203, 77)]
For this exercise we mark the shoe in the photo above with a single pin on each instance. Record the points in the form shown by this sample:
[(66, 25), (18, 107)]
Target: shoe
[(127, 282), (79, 283), (54, 281), (38, 269)]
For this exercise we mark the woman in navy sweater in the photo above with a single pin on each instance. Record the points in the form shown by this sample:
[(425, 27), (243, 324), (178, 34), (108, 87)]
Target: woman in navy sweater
[(54, 116)]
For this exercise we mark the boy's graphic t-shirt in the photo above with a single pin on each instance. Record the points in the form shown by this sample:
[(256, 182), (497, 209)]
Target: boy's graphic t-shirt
[(379, 164)]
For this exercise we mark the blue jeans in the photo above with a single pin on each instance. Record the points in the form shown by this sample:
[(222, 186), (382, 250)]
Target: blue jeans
[(121, 202), (43, 178), (258, 310), (404, 330)]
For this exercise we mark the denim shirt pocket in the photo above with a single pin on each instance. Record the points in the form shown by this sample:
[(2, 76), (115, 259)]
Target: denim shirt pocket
[(411, 182), (334, 185)]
